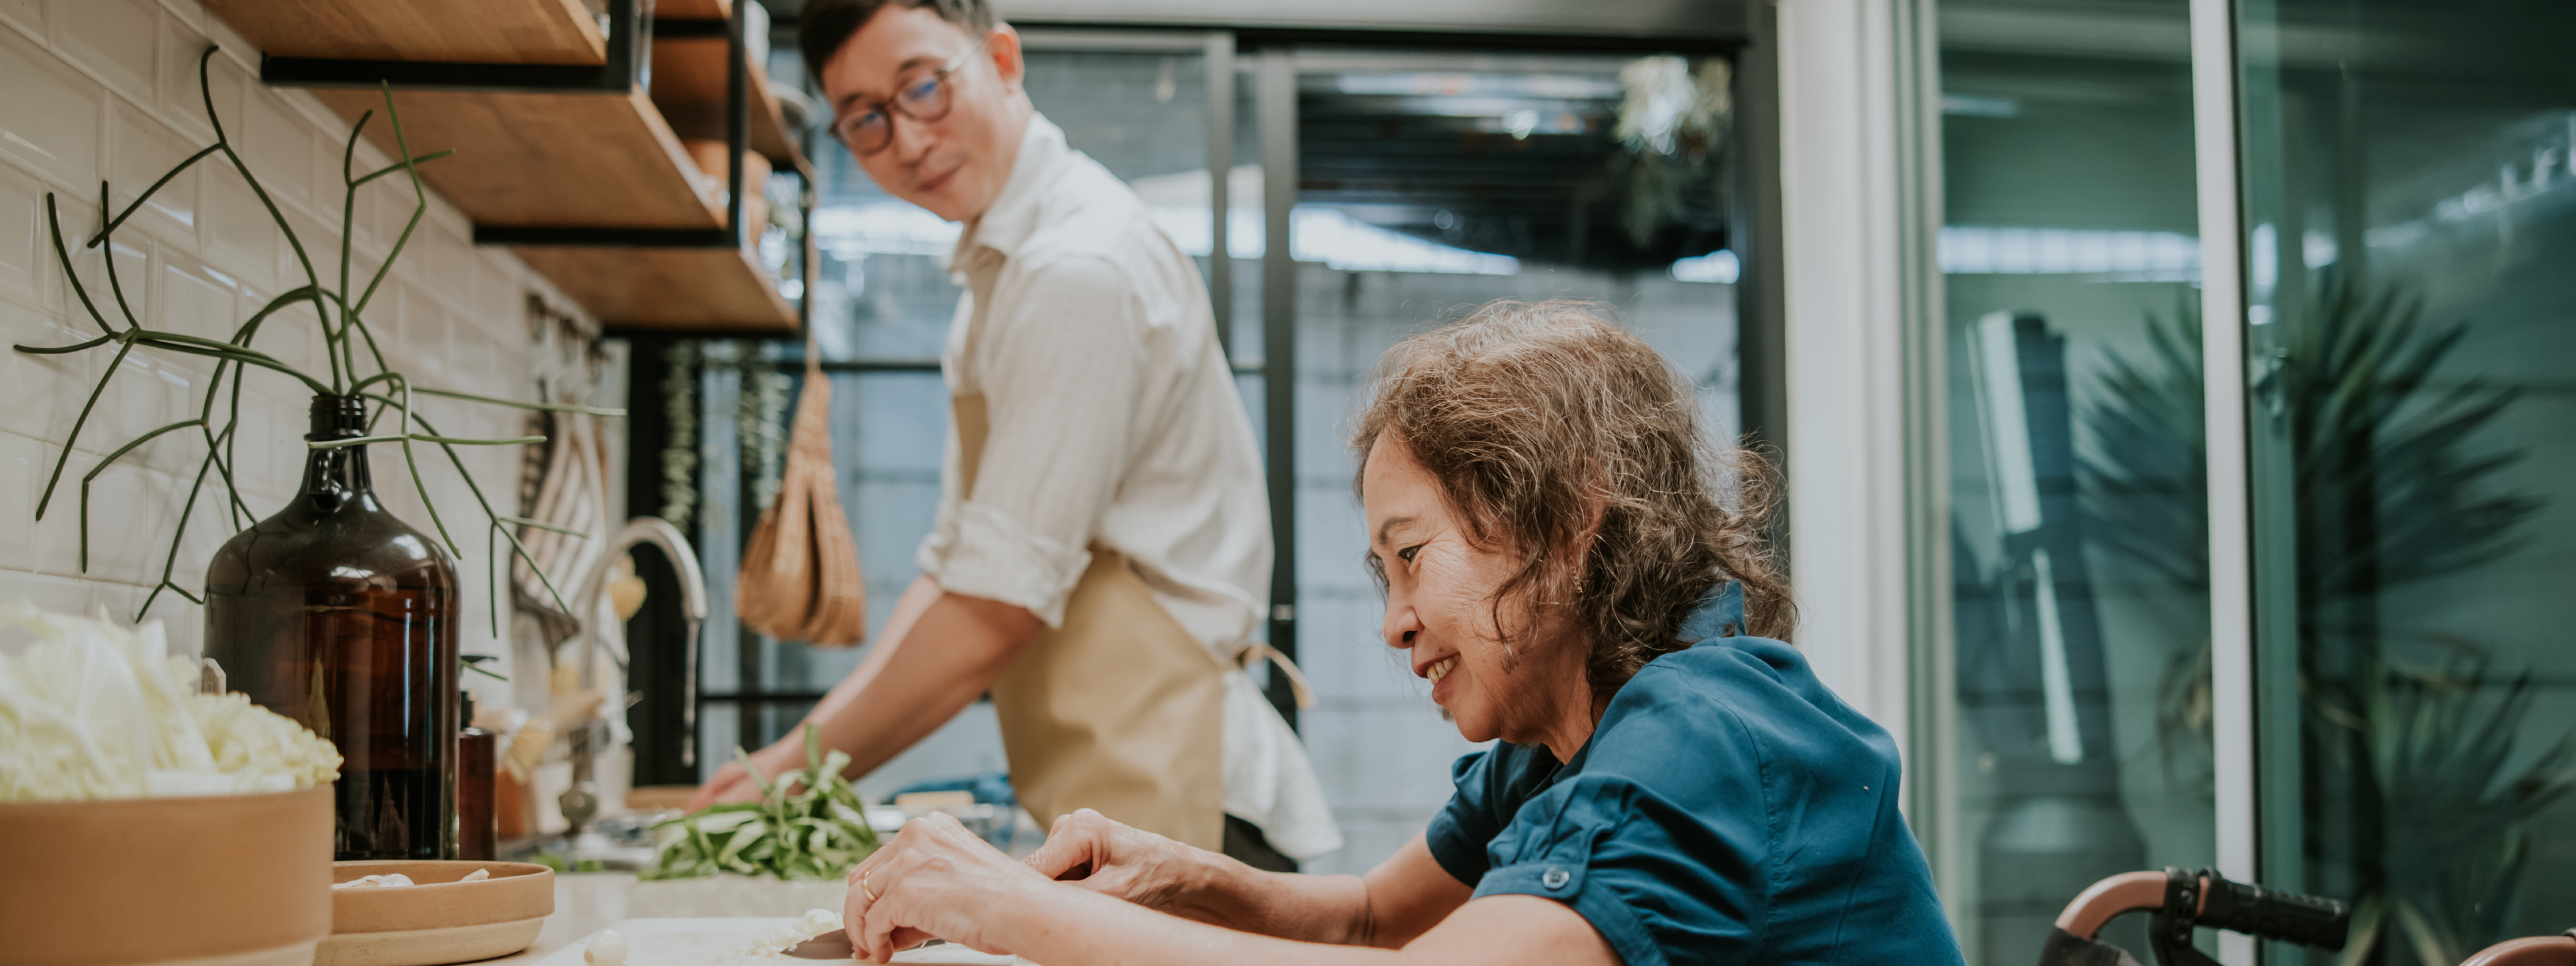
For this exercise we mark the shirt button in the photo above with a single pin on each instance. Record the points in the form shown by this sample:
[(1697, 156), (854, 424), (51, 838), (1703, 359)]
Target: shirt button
[(1555, 878)]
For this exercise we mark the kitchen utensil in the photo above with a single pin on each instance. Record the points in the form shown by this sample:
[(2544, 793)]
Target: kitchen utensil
[(800, 575), (439, 920), (244, 880)]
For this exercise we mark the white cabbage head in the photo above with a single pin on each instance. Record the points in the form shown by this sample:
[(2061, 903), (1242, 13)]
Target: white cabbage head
[(94, 710)]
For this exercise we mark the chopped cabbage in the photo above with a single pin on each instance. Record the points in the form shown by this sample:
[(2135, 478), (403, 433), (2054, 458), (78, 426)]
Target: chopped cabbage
[(93, 710)]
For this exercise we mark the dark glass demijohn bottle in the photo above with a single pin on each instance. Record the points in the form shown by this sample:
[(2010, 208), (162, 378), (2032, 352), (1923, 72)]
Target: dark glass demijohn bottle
[(338, 615)]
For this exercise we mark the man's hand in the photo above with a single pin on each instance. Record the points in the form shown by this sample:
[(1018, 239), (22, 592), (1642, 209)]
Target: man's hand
[(732, 783), (937, 653)]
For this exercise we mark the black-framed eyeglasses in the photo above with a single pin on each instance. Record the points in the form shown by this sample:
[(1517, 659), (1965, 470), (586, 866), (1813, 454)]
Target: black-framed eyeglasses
[(922, 96)]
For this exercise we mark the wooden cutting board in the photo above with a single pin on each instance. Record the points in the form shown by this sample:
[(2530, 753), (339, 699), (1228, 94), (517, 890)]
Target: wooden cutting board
[(707, 942)]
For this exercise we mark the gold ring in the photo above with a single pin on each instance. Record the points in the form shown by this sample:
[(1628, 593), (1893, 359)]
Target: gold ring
[(865, 891)]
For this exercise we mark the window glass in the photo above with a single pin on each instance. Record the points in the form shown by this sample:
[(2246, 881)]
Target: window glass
[(2079, 694), (2410, 191)]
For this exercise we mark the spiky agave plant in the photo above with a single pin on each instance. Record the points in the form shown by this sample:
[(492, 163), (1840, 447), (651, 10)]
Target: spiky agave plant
[(2415, 755), (344, 331)]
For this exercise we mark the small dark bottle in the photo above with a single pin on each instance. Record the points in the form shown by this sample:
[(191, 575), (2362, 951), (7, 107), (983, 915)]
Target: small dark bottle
[(477, 826), (340, 616)]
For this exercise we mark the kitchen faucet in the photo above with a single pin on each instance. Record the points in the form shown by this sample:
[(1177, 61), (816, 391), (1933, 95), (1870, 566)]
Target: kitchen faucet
[(580, 801)]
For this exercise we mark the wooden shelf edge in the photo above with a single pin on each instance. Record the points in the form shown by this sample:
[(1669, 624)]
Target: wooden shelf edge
[(547, 160), (694, 289), (557, 32)]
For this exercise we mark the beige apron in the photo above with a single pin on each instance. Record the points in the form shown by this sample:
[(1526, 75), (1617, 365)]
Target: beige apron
[(1120, 710)]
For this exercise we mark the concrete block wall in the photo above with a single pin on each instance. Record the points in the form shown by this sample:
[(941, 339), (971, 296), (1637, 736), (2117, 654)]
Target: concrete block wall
[(94, 90)]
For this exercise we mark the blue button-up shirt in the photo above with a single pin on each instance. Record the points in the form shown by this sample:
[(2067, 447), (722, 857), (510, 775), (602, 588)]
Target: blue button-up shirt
[(1728, 809)]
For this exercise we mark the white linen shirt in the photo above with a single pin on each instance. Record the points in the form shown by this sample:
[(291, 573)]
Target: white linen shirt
[(1113, 418)]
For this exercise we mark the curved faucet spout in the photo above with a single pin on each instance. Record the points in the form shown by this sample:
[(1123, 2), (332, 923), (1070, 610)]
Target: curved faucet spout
[(693, 605)]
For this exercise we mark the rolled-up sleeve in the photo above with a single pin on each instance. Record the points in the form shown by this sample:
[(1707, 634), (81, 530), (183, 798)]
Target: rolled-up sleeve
[(1061, 365)]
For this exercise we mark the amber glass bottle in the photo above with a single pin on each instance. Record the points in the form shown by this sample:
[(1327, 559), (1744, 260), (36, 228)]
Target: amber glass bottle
[(338, 615), (477, 833)]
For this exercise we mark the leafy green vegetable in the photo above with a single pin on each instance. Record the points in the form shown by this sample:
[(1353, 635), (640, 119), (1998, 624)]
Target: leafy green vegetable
[(817, 831)]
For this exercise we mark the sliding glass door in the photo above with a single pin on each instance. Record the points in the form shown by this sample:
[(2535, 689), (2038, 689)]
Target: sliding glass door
[(2410, 190), (2399, 210), (2070, 253)]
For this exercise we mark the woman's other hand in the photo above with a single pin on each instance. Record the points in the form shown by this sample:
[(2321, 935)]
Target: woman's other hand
[(1089, 850), (935, 879)]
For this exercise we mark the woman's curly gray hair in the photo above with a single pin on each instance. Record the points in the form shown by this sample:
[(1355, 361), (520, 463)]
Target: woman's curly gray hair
[(1535, 416)]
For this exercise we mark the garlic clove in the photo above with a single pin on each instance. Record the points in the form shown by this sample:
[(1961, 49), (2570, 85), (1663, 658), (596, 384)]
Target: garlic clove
[(606, 949)]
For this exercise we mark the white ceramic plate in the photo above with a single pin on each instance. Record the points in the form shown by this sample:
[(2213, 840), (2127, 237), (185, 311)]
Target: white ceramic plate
[(706, 942)]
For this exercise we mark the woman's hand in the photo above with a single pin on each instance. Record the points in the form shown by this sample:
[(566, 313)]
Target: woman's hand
[(1092, 852), (936, 879)]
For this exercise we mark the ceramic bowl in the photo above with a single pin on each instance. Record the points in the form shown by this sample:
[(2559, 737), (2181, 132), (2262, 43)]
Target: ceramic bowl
[(438, 919), (244, 880)]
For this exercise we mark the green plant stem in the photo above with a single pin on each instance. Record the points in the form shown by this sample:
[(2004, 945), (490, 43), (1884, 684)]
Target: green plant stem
[(55, 350), (447, 440), (108, 257), (343, 325), (420, 206), (348, 216), (147, 194), (515, 404), (520, 549), (397, 166), (77, 424), (206, 93), (191, 346), (542, 525), (54, 223), (92, 476), (170, 562)]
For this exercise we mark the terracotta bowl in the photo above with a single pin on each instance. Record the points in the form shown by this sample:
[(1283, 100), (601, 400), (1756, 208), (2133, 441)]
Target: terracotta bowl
[(240, 879), (438, 919)]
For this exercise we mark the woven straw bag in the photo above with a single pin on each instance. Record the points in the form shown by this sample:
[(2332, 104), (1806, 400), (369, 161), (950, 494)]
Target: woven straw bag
[(800, 575)]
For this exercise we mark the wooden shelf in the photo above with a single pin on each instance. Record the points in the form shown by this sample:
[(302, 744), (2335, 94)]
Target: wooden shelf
[(571, 159), (546, 160), (689, 87), (479, 32), (673, 288)]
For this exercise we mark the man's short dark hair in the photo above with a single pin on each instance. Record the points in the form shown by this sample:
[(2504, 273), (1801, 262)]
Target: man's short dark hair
[(825, 26)]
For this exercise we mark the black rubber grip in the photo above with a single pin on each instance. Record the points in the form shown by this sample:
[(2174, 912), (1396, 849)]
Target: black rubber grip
[(2288, 917)]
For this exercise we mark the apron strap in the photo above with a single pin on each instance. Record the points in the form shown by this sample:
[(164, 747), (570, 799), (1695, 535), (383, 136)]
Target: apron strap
[(1255, 651)]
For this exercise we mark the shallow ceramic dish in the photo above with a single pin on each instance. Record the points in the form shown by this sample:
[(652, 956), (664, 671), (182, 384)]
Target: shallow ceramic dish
[(242, 880), (437, 920)]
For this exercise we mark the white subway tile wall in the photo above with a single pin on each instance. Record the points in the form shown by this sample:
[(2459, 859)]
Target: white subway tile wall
[(107, 90)]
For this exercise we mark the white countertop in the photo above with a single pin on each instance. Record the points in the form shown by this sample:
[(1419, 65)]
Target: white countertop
[(585, 903)]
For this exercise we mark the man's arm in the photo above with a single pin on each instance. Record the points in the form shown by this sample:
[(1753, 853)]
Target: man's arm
[(938, 653)]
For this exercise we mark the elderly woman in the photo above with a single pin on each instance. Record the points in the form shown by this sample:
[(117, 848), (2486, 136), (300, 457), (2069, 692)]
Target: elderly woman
[(1669, 781)]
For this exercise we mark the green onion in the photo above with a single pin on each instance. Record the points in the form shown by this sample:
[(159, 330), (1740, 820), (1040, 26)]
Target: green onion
[(818, 831)]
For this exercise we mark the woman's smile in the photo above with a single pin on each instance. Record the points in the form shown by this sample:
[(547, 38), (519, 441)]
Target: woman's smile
[(1438, 674), (1439, 668)]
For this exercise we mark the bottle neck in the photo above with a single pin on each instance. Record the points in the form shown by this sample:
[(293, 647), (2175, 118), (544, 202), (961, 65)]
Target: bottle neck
[(336, 476)]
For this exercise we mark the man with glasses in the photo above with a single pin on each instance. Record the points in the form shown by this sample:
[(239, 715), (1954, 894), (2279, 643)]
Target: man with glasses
[(1102, 549)]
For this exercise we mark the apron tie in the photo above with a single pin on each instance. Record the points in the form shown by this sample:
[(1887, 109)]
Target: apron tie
[(1256, 651)]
